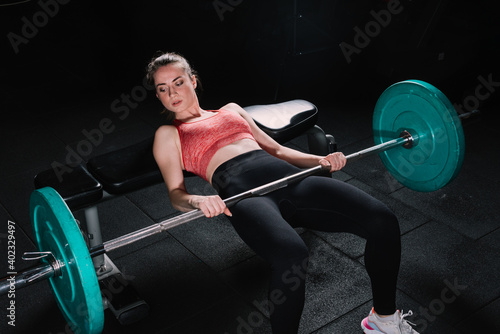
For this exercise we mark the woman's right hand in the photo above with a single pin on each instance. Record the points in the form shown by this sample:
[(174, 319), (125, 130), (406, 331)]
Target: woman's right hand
[(211, 206)]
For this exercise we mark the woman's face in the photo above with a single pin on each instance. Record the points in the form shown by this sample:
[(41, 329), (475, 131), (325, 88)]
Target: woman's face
[(174, 88)]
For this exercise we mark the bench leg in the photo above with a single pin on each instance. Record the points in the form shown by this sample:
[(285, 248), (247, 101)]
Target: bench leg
[(103, 265), (95, 238), (319, 142), (119, 295)]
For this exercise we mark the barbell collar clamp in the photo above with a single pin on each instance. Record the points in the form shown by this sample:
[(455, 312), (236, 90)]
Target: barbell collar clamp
[(410, 140), (51, 259)]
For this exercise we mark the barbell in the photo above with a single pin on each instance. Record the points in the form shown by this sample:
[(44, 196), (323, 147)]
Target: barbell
[(417, 134)]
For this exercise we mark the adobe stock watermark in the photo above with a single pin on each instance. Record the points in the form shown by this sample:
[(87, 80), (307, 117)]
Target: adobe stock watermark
[(121, 107), (30, 28), (372, 29), (294, 278), (449, 294), (483, 91), (222, 7)]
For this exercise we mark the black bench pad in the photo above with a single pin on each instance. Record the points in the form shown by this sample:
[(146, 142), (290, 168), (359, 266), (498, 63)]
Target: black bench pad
[(77, 188), (126, 169)]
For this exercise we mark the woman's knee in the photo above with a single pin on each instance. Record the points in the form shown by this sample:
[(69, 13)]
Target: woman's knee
[(293, 250), (291, 256), (385, 223)]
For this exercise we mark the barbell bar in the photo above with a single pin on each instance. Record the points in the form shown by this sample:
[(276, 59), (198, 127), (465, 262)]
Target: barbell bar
[(413, 121), (258, 191), (45, 271)]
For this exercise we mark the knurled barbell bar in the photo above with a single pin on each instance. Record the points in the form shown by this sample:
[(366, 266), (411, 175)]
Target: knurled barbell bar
[(418, 136)]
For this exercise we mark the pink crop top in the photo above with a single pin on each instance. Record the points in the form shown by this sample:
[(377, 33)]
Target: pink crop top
[(201, 139)]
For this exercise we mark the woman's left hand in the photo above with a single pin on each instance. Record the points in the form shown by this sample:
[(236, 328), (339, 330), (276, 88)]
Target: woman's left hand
[(336, 161)]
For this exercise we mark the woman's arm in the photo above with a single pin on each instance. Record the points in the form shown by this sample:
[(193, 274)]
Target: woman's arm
[(300, 159), (167, 153)]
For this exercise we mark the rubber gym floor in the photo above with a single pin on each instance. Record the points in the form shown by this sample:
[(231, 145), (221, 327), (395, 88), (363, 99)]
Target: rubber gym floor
[(200, 277)]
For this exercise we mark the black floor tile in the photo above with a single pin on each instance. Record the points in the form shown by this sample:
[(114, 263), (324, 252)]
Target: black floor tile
[(214, 241), (118, 217), (467, 205), (350, 244), (440, 270), (231, 316), (36, 312), (485, 320), (487, 317), (153, 201), (176, 285), (334, 284), (250, 278)]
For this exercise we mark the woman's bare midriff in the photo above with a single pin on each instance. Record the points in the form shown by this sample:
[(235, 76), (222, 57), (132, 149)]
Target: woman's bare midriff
[(228, 152)]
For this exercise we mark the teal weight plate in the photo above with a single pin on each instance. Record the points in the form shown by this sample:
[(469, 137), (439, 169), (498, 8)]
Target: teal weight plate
[(425, 112), (76, 290)]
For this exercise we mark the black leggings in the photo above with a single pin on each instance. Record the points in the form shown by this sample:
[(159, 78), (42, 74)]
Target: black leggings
[(266, 224)]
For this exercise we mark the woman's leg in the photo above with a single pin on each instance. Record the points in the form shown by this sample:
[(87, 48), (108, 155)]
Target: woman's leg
[(259, 223), (326, 204), (319, 203)]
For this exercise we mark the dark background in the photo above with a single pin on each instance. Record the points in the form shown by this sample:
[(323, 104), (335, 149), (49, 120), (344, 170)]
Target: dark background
[(251, 51)]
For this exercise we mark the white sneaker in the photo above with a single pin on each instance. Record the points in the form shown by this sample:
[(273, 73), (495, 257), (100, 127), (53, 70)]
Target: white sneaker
[(395, 324)]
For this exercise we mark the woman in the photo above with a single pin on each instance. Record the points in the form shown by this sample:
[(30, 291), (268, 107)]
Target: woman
[(227, 148)]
